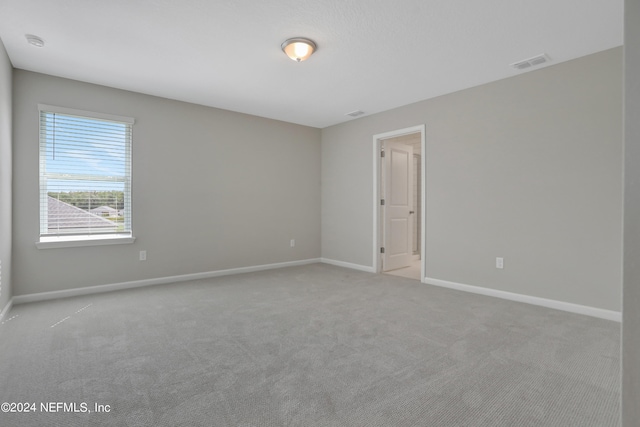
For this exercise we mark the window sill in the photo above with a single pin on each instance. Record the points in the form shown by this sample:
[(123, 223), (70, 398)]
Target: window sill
[(78, 241)]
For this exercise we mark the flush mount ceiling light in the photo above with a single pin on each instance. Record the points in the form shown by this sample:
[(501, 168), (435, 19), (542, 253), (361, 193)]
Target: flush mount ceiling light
[(298, 49), (34, 40)]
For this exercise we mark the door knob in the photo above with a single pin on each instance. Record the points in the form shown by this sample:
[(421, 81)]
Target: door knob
[(411, 212)]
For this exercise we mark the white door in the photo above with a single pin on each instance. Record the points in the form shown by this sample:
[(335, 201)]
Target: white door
[(398, 205)]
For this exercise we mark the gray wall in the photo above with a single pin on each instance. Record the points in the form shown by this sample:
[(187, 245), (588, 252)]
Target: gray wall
[(212, 189), (631, 311), (527, 168), (6, 73)]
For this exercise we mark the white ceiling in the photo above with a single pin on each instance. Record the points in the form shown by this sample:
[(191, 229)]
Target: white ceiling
[(373, 55)]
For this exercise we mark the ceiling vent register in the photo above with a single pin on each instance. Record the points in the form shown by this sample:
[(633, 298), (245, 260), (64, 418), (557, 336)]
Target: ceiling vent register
[(355, 113), (531, 62)]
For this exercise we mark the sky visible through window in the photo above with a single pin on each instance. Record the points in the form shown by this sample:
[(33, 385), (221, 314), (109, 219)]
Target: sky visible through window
[(84, 154)]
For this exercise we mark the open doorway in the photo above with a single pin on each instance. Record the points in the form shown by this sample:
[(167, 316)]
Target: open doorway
[(399, 201)]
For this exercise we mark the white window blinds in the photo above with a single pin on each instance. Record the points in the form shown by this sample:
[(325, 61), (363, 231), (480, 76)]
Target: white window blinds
[(85, 173)]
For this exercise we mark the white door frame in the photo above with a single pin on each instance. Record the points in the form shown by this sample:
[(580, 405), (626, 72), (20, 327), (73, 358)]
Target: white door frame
[(377, 223)]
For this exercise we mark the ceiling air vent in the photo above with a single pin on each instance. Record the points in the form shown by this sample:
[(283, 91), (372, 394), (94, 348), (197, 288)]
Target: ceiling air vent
[(356, 113), (531, 62)]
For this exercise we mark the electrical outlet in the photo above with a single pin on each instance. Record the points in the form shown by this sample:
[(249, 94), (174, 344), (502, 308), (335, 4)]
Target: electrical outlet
[(499, 262), (143, 255), (293, 242)]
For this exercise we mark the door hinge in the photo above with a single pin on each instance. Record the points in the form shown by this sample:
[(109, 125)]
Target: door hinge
[(381, 250), (381, 202), (382, 153)]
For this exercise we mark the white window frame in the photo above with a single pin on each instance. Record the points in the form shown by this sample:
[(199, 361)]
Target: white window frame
[(59, 241)]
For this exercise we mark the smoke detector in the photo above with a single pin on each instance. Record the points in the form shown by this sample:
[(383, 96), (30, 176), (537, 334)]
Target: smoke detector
[(34, 40), (531, 62)]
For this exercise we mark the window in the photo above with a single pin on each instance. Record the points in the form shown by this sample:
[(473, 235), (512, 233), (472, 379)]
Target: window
[(85, 177)]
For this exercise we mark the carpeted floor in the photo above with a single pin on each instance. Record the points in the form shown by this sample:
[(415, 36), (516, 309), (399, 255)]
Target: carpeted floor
[(315, 345)]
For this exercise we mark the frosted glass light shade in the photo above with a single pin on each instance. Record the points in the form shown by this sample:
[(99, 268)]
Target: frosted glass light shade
[(298, 49)]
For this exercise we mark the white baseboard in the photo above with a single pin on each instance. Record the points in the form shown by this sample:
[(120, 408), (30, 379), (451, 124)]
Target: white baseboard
[(43, 296), (558, 305), (5, 310), (549, 303), (347, 265)]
